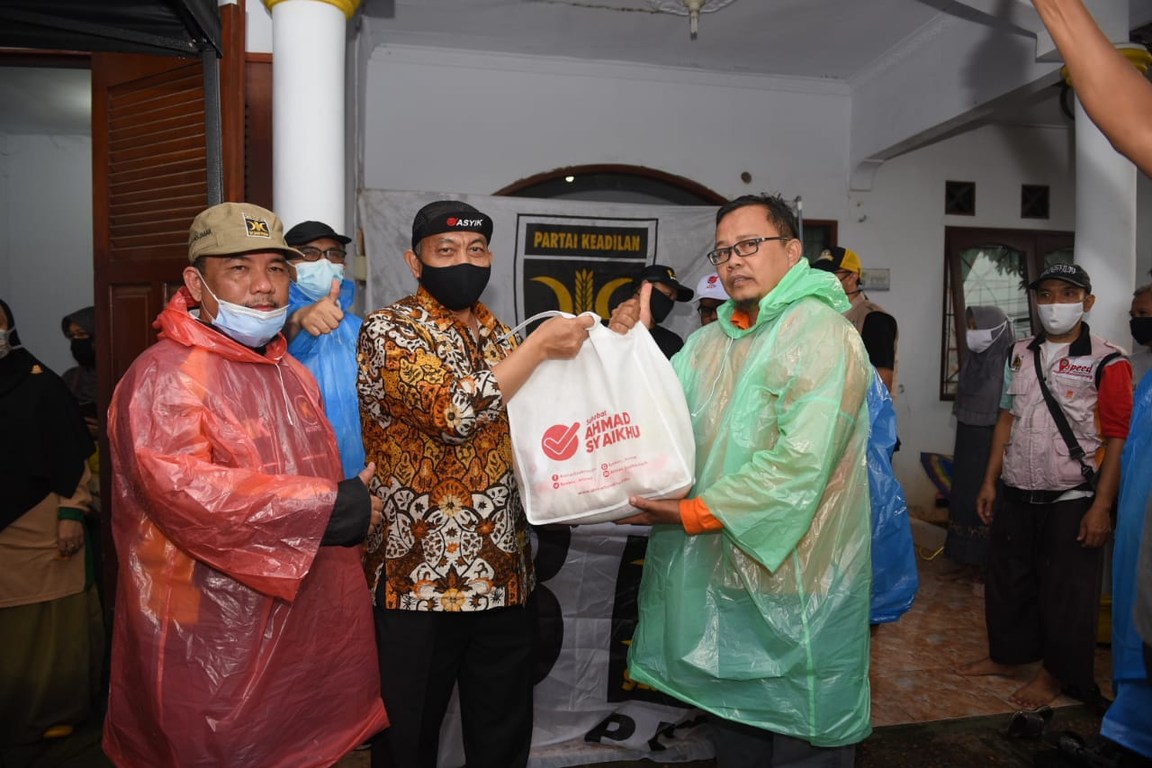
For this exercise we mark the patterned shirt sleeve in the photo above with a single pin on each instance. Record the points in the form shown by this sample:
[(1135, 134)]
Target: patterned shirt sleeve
[(407, 371)]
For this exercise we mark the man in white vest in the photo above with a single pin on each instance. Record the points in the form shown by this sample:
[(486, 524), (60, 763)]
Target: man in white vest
[(1055, 465)]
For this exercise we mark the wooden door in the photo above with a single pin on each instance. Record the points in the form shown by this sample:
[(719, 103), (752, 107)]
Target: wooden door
[(149, 180)]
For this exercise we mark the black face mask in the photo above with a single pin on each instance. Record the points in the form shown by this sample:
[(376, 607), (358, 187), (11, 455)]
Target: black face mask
[(456, 287), (84, 352), (1141, 329), (660, 305)]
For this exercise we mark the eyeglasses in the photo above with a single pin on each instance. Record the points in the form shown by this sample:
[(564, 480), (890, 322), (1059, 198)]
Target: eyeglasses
[(334, 255), (743, 249)]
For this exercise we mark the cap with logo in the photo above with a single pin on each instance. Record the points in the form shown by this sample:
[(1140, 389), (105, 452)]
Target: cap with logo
[(658, 273), (710, 287), (1069, 273), (307, 231), (228, 229), (449, 216), (836, 259)]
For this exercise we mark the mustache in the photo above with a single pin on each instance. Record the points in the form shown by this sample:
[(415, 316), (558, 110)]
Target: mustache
[(257, 304)]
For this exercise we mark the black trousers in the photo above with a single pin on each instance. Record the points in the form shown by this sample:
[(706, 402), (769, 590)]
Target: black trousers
[(1042, 593), (423, 654), (742, 746)]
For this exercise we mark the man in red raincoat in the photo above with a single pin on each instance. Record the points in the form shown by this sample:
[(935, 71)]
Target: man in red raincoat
[(243, 632)]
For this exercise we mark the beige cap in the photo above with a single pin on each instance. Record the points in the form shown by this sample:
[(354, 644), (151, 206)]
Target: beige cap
[(231, 228)]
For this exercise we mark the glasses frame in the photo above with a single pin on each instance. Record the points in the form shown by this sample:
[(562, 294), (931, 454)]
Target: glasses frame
[(743, 249), (313, 254)]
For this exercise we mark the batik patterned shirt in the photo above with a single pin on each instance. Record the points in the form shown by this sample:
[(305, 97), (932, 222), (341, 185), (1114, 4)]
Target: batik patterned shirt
[(455, 537)]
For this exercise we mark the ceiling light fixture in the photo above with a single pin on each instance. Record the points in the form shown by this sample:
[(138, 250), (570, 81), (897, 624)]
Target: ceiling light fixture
[(690, 8)]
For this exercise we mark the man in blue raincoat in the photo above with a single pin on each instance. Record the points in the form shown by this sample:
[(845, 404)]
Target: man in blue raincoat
[(755, 597), (322, 333)]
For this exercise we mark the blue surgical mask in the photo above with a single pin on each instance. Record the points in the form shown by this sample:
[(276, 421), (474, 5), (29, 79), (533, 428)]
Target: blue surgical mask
[(5, 345), (251, 327), (315, 277)]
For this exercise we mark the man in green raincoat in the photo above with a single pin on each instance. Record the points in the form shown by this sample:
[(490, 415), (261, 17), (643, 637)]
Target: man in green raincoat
[(755, 596)]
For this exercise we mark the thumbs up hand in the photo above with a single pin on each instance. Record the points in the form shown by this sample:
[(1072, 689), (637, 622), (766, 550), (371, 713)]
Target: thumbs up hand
[(635, 310), (325, 315)]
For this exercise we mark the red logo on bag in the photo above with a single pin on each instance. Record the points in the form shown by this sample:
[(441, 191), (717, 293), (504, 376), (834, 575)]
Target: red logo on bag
[(561, 441)]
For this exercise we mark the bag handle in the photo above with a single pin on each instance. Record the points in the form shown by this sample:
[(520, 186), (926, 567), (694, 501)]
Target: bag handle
[(1074, 449), (546, 314)]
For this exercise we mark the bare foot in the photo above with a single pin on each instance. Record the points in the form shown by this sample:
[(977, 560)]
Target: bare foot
[(1042, 690), (986, 666)]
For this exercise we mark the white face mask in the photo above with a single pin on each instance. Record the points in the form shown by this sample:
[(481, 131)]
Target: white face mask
[(979, 339), (1059, 319), (251, 327), (5, 347), (315, 277)]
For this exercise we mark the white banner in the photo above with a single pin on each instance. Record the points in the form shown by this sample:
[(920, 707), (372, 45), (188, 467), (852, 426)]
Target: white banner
[(586, 709), (549, 254)]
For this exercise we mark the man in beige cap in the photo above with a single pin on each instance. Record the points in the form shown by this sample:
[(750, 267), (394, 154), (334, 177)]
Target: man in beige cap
[(243, 633)]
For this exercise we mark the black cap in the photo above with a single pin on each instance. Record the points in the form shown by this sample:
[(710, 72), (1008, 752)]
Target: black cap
[(307, 231), (449, 216), (1069, 273), (837, 258), (658, 273)]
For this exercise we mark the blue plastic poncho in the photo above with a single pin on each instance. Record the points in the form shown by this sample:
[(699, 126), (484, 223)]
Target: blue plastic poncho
[(894, 576), (1129, 719), (332, 360), (765, 622)]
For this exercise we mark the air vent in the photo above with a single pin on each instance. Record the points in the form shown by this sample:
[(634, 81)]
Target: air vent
[(960, 198), (1033, 201)]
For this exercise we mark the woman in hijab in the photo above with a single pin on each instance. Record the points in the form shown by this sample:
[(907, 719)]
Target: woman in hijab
[(989, 340), (80, 330), (49, 611)]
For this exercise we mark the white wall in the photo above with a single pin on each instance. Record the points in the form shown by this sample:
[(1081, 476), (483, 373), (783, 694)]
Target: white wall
[(46, 237), (257, 27), (903, 229), (454, 121), (438, 120)]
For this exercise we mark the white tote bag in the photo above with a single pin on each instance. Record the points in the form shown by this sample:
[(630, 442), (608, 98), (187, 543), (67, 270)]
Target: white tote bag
[(589, 432)]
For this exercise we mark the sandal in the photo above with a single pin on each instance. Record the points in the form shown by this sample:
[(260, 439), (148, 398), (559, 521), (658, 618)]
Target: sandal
[(1029, 723)]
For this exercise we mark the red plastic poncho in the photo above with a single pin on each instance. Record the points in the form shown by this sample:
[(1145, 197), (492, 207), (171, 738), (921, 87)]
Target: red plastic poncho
[(238, 640)]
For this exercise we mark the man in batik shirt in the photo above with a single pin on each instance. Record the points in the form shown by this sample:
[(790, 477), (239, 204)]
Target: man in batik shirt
[(452, 567)]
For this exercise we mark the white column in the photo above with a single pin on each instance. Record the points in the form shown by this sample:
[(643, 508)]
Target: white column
[(1105, 228), (308, 44), (1106, 207)]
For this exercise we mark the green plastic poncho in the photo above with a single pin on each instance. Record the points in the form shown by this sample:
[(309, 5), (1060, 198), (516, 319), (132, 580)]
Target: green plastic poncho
[(766, 621)]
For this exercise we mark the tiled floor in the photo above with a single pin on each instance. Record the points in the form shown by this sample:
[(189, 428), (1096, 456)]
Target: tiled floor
[(913, 661)]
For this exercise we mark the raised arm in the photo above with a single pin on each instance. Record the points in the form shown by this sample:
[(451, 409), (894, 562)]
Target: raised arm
[(1115, 95)]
